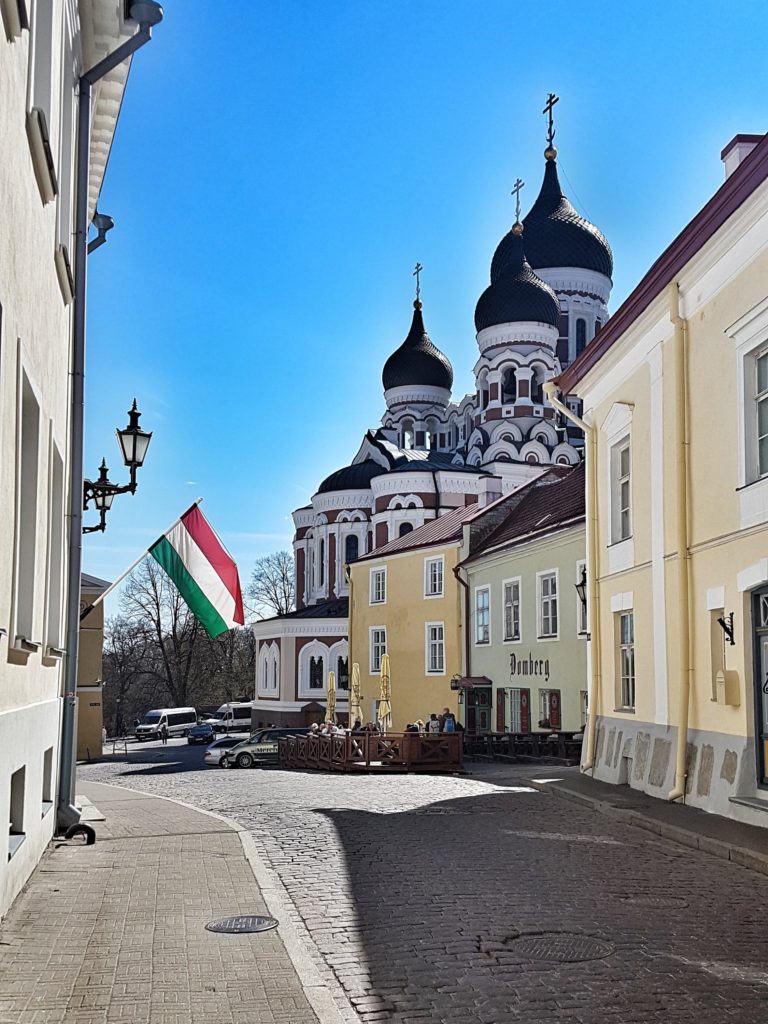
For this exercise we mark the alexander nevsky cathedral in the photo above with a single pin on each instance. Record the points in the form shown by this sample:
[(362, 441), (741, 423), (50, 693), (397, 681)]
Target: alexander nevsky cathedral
[(550, 282)]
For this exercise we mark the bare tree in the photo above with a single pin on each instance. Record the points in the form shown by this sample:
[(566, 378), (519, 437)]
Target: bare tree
[(272, 587)]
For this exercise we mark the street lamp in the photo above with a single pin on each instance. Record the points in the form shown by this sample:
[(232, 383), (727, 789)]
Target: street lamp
[(581, 587), (133, 442)]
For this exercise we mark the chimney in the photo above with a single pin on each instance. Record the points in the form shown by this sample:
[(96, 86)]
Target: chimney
[(738, 149)]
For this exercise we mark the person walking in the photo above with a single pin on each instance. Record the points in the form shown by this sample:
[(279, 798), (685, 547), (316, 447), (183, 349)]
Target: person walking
[(164, 734)]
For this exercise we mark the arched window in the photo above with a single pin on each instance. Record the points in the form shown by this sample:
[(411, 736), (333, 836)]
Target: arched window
[(342, 673), (316, 673), (537, 391), (581, 335), (531, 457), (405, 528), (408, 434), (264, 673), (509, 387), (274, 672), (322, 562), (351, 547), (598, 325), (370, 541)]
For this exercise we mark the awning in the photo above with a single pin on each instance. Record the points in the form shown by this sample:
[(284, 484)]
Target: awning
[(470, 682)]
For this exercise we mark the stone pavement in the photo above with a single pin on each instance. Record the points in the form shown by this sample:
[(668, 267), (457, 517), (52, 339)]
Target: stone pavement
[(115, 933), (479, 900)]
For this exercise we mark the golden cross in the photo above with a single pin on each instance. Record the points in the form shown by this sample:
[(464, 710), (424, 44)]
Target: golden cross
[(519, 184), (551, 101), (416, 274)]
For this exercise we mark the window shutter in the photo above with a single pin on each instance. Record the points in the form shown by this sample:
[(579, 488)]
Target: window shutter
[(525, 711), (501, 696), (554, 708)]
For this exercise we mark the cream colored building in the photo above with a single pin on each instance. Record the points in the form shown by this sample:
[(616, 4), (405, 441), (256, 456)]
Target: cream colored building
[(405, 601), (43, 49), (675, 394), (90, 679)]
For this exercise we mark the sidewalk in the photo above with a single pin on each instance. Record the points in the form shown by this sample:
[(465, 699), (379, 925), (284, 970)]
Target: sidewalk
[(115, 933), (732, 840)]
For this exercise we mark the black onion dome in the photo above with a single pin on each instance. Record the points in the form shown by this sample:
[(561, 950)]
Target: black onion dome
[(351, 478), (417, 361), (556, 235), (515, 293)]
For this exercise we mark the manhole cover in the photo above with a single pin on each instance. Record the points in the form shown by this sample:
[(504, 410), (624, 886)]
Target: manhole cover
[(235, 925), (560, 947), (649, 900)]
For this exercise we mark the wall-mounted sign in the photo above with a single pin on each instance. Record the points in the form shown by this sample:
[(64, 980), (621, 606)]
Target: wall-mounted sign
[(528, 666)]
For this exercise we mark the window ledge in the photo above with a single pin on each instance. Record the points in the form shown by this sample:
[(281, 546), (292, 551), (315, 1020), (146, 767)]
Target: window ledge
[(753, 503), (429, 597), (548, 636), (64, 274), (15, 840), (42, 156), (47, 805), (624, 711)]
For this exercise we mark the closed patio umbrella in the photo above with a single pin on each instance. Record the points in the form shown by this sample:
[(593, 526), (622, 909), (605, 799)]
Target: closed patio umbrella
[(331, 698), (385, 696), (355, 711)]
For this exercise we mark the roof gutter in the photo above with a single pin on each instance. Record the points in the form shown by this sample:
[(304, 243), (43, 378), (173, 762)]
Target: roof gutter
[(593, 572)]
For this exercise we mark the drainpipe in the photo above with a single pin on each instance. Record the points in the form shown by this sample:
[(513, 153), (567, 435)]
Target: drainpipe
[(147, 14), (685, 632), (467, 639), (593, 568)]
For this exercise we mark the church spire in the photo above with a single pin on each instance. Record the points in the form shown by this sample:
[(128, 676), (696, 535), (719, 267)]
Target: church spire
[(550, 152)]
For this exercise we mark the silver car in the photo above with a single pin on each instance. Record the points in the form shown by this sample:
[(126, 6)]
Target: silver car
[(214, 752)]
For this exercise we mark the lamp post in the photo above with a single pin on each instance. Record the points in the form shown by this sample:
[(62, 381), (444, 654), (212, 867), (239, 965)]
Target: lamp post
[(581, 590), (133, 443)]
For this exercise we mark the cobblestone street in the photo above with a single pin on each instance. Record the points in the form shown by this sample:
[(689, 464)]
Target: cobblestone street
[(478, 900)]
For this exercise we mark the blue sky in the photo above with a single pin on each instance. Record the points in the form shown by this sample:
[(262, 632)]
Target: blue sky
[(279, 168)]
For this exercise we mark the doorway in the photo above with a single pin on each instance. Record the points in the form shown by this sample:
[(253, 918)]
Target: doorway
[(760, 630)]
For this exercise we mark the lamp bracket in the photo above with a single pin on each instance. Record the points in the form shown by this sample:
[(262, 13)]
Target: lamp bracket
[(726, 624)]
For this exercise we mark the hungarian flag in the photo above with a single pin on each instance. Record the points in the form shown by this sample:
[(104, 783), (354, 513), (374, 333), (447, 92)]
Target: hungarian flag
[(203, 572)]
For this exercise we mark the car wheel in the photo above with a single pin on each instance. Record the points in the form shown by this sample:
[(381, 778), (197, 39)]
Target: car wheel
[(244, 760)]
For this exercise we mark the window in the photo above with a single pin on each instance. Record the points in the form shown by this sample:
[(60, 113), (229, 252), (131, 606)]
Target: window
[(433, 576), (404, 529), (26, 529), (316, 678), (509, 387), (378, 647), (761, 401), (435, 648), (627, 658), (511, 609), (537, 389), (322, 563), (351, 548), (581, 336), (342, 673), (378, 593), (40, 120), (47, 791), (16, 834), (482, 615), (621, 491), (547, 604), (264, 674), (53, 633), (581, 606), (274, 671), (584, 707), (549, 709), (15, 16)]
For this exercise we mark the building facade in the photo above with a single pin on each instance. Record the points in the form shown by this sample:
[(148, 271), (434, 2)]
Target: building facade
[(526, 623), (550, 282), (43, 49), (90, 676), (405, 602), (674, 391)]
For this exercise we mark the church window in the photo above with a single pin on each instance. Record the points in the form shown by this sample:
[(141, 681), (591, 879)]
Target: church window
[(598, 325), (509, 387), (316, 673), (581, 335), (537, 390), (541, 438), (351, 548), (408, 438), (370, 541), (342, 673), (322, 562), (404, 529), (531, 457)]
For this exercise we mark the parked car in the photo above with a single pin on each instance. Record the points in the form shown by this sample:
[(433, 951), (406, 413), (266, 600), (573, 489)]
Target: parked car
[(258, 749), (203, 733), (232, 717), (215, 752)]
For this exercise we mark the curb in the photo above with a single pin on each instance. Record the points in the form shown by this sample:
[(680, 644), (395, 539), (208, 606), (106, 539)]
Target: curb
[(740, 855), (279, 906)]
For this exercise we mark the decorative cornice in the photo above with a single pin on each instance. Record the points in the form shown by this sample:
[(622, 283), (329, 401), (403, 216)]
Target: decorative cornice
[(541, 335), (577, 280)]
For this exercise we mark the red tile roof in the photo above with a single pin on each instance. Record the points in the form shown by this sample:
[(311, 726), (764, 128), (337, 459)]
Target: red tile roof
[(448, 527)]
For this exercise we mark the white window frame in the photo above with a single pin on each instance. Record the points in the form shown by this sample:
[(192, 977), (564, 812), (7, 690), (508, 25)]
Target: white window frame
[(376, 648), (541, 597), (428, 563), (621, 507), (379, 570), (504, 584), (485, 588), (429, 643), (582, 611), (750, 335), (616, 429), (626, 652)]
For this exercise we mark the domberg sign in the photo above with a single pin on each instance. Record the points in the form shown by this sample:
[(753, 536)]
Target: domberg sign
[(529, 666)]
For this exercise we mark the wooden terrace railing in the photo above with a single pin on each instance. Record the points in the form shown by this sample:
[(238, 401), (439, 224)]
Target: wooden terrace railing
[(369, 752), (560, 747)]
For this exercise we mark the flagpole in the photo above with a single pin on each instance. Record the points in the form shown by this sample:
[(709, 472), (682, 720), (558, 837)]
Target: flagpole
[(132, 566)]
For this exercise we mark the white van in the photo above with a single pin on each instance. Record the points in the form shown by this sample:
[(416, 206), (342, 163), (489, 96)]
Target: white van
[(232, 717), (178, 722)]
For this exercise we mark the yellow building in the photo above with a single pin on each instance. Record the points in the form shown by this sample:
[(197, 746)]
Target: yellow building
[(405, 601), (675, 397), (90, 714)]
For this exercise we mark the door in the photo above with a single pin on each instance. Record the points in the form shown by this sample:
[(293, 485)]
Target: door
[(760, 625)]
